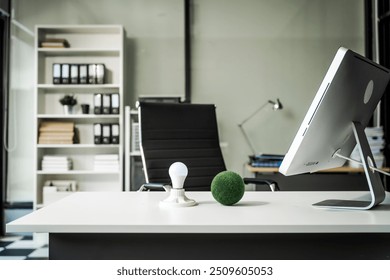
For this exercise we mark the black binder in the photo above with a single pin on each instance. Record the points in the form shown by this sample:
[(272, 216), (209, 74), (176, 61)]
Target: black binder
[(115, 103), (115, 133), (56, 73), (74, 73), (83, 74), (97, 103), (65, 73), (106, 103), (100, 69), (106, 133), (97, 133), (92, 74)]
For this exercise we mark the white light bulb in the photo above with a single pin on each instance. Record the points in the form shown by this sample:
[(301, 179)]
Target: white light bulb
[(178, 172)]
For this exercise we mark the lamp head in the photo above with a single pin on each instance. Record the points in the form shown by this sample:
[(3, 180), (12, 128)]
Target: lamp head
[(276, 105)]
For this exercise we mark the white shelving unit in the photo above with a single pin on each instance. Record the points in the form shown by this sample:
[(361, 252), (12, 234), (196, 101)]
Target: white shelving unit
[(88, 44)]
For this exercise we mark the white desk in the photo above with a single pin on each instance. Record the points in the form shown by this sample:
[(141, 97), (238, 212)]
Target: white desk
[(263, 225)]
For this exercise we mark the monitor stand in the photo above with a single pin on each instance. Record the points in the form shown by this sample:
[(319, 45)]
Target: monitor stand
[(377, 192)]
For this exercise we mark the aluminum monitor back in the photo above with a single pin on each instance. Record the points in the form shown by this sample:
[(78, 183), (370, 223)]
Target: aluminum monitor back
[(350, 92)]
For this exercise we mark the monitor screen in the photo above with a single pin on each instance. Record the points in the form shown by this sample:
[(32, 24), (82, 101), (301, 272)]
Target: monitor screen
[(342, 107)]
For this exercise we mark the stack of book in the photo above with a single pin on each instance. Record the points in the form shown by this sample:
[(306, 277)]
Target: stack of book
[(56, 133), (108, 162), (55, 43), (56, 163), (375, 137), (266, 160)]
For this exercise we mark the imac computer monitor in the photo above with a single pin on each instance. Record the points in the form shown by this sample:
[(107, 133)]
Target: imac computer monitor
[(334, 124)]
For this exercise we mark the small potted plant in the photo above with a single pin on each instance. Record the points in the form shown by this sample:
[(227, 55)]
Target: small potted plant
[(68, 102)]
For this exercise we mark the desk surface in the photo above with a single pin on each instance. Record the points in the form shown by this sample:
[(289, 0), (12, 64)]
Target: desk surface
[(257, 212)]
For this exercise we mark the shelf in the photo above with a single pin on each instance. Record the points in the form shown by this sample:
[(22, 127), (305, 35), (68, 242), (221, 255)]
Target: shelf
[(89, 44), (78, 86), (77, 172), (76, 116), (77, 146), (78, 51), (80, 29)]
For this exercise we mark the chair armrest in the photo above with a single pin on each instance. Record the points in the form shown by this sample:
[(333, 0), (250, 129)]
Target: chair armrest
[(273, 185), (153, 187)]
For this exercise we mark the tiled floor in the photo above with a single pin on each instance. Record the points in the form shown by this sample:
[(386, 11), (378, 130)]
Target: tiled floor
[(22, 248)]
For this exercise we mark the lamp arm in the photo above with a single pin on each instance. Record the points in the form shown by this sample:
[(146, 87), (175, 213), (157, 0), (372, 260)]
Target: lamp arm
[(247, 138), (276, 105), (241, 126), (254, 113)]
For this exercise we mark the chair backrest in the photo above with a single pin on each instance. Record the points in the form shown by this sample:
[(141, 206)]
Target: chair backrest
[(180, 132)]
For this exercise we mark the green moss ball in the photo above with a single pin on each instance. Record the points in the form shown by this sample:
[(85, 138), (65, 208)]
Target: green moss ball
[(227, 187)]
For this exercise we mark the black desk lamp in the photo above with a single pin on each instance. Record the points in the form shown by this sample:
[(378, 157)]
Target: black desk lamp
[(275, 106)]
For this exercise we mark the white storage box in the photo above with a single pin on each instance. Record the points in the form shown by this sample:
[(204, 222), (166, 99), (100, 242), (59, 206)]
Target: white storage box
[(57, 189)]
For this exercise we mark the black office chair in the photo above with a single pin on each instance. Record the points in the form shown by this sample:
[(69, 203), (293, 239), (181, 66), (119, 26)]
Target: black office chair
[(171, 132)]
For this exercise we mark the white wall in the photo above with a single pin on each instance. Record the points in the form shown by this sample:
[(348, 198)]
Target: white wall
[(244, 53), (247, 52)]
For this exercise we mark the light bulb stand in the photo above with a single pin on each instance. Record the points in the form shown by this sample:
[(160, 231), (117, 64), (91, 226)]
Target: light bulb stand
[(177, 198)]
